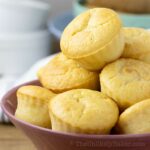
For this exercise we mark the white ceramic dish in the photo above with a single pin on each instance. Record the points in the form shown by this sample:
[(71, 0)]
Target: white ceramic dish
[(23, 15), (19, 51)]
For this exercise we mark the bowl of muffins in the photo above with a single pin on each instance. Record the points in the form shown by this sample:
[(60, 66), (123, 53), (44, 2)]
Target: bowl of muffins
[(95, 94)]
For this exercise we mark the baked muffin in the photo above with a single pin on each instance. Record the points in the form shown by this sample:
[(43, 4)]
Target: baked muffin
[(127, 81), (83, 111), (33, 105), (62, 74), (135, 119), (130, 6), (94, 38), (137, 44)]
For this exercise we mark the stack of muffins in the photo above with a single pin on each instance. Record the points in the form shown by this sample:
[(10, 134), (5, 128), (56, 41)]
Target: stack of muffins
[(100, 81)]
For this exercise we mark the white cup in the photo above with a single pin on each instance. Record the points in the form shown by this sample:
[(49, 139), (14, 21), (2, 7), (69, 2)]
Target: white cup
[(23, 15), (19, 51)]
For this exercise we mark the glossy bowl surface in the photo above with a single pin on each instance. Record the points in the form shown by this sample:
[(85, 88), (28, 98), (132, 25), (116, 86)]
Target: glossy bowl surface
[(46, 139)]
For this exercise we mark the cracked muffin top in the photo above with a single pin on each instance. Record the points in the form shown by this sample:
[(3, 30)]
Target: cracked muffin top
[(89, 32), (127, 81), (84, 109), (62, 74)]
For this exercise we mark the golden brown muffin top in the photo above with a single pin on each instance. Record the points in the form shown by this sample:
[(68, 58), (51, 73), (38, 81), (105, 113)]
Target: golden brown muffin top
[(85, 108), (62, 73), (135, 119), (89, 32), (127, 81), (137, 44), (35, 92)]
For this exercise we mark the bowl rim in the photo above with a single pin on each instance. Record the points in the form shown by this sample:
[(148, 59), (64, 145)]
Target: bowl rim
[(78, 4), (58, 133)]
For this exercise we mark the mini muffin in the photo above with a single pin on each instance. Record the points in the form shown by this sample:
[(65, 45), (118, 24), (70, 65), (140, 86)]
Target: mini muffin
[(127, 81), (33, 105), (137, 44), (83, 111), (94, 38), (135, 119), (62, 74)]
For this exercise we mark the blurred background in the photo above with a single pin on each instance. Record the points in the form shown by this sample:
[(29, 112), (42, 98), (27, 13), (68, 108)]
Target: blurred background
[(59, 6), (30, 32), (31, 29)]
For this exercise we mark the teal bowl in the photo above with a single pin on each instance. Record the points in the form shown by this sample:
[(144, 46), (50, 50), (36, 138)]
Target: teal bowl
[(129, 19)]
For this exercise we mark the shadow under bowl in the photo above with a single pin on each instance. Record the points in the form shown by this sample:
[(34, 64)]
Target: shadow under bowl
[(46, 139)]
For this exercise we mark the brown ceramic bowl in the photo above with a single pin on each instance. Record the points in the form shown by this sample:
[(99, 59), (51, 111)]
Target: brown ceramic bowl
[(46, 139)]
